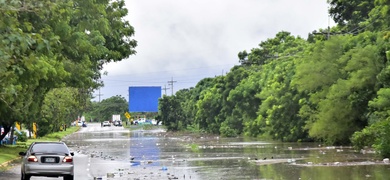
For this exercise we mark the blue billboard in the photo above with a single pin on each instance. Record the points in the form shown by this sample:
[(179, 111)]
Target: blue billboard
[(144, 98)]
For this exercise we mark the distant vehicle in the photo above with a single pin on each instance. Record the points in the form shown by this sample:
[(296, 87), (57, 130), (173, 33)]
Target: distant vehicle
[(80, 123), (116, 117), (117, 123), (106, 123), (50, 159)]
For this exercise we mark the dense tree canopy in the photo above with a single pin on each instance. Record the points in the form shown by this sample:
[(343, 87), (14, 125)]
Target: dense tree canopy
[(56, 44), (334, 89), (103, 111), (349, 13)]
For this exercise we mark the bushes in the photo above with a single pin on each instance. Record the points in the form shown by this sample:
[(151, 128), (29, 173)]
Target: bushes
[(22, 137), (376, 136), (227, 131), (382, 143)]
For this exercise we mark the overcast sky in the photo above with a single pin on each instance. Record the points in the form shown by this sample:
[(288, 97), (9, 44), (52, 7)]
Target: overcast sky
[(189, 40)]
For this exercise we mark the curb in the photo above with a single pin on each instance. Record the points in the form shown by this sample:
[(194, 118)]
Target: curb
[(4, 164)]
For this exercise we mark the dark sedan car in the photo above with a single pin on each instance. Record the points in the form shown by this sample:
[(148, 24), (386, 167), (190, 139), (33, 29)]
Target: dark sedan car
[(117, 123), (50, 159)]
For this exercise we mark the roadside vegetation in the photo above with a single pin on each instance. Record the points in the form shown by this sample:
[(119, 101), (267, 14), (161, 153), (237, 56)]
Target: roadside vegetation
[(10, 153), (332, 87), (51, 59), (144, 127)]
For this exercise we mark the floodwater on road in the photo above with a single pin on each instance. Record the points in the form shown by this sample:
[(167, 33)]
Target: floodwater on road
[(247, 158), (119, 153)]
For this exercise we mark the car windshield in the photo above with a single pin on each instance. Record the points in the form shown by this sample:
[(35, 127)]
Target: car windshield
[(49, 148)]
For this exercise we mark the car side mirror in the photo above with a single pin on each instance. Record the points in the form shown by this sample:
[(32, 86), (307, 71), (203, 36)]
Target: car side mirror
[(22, 153), (72, 153)]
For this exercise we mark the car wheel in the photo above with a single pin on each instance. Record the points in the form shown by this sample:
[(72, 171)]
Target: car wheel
[(26, 176), (69, 177)]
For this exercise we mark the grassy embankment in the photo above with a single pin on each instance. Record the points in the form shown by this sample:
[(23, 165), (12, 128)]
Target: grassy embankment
[(11, 152), (143, 127)]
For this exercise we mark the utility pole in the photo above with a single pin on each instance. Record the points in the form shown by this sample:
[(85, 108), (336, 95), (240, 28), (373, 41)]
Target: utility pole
[(165, 89), (328, 35), (99, 94), (171, 83)]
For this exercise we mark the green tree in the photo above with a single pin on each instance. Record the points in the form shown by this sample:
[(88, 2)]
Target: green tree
[(171, 113), (28, 71), (61, 45), (283, 44), (357, 16), (350, 13), (376, 133), (340, 76), (280, 102), (209, 107), (104, 110), (246, 103), (275, 101), (232, 123), (60, 107)]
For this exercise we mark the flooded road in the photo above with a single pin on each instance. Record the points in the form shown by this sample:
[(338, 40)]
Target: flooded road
[(117, 153), (247, 158)]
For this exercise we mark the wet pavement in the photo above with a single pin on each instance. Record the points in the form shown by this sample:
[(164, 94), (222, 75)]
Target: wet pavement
[(116, 153)]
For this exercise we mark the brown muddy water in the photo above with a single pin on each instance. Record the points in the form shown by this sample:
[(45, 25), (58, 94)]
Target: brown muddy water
[(154, 154)]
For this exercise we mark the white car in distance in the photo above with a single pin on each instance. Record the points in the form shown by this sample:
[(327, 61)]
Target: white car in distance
[(106, 123)]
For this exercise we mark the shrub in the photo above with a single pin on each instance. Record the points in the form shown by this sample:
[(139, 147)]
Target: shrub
[(365, 137), (382, 144), (22, 137), (376, 136), (227, 131)]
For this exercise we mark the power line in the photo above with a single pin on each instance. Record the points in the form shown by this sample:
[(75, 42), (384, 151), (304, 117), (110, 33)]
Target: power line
[(182, 69)]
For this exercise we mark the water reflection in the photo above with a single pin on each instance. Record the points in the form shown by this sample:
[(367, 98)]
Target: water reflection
[(229, 158), (99, 142), (144, 149), (243, 158)]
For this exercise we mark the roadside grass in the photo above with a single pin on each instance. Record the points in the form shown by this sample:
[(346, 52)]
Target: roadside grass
[(144, 127), (150, 127), (10, 153), (56, 136)]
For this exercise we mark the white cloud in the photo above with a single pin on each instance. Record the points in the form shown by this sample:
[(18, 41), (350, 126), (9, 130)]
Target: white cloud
[(193, 39)]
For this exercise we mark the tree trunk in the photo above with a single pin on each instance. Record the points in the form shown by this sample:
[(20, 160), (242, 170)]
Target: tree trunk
[(11, 139)]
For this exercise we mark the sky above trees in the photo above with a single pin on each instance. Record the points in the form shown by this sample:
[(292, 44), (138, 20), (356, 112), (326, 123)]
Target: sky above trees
[(194, 39)]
